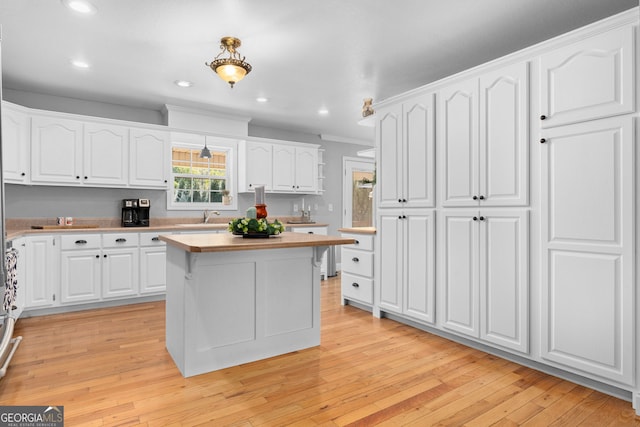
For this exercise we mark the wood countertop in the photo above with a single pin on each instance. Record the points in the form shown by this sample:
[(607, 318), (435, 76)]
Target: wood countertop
[(358, 230), (228, 242)]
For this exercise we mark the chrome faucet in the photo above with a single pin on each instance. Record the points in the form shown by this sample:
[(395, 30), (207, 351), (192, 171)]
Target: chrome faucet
[(207, 214)]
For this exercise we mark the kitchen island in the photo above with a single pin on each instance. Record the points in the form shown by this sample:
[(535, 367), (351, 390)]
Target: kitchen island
[(232, 300)]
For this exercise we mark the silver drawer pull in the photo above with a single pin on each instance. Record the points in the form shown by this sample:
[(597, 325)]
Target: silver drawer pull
[(81, 242), (121, 240), (355, 285), (155, 239), (355, 259)]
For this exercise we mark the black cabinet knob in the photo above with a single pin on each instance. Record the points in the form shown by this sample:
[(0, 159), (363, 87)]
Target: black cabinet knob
[(97, 256), (165, 181), (22, 174), (357, 242), (355, 285), (77, 176), (155, 239), (475, 218), (121, 240), (399, 216), (81, 242), (481, 197), (404, 200), (404, 217), (355, 259), (481, 218), (475, 197), (542, 117), (105, 255), (542, 141), (250, 185), (85, 177), (309, 232), (399, 200)]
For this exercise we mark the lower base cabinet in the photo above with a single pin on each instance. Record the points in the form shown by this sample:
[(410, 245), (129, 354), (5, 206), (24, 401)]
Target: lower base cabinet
[(406, 258), (42, 275), (484, 269), (357, 269), (153, 264)]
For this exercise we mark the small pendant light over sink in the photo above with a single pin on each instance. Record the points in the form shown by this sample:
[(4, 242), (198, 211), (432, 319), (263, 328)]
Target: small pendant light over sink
[(205, 153), (231, 69)]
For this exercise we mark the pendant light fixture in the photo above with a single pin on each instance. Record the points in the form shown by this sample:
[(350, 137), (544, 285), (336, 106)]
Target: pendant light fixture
[(231, 69), (205, 153)]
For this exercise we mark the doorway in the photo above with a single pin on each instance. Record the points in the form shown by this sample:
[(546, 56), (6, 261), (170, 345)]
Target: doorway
[(358, 192)]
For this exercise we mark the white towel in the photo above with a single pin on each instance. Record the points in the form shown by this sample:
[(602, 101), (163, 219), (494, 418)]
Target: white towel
[(11, 283)]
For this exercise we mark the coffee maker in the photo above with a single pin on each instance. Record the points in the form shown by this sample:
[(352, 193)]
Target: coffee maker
[(135, 212)]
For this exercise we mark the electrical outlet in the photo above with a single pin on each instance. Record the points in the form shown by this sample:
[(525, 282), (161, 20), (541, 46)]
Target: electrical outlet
[(330, 207), (295, 207)]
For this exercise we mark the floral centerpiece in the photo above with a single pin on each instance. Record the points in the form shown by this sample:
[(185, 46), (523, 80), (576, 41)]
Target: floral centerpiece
[(253, 227)]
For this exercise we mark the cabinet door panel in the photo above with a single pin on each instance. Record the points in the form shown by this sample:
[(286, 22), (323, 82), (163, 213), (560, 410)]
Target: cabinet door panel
[(418, 152), (40, 272), (15, 146), (390, 259), (306, 166), (503, 150), (80, 276), (461, 272), (106, 155), (458, 113), (56, 147), (120, 273), (149, 163), (588, 247), (419, 271), (284, 161), (504, 272), (258, 165), (389, 157), (587, 80)]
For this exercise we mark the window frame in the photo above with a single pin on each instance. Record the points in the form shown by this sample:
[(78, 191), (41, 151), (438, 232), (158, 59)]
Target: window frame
[(196, 142)]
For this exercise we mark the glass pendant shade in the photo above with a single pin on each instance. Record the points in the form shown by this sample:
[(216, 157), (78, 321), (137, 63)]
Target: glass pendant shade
[(231, 69)]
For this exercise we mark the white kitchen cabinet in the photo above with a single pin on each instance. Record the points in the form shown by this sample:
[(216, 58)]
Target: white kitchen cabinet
[(484, 265), (484, 132), (153, 264), (406, 157), (15, 145), (405, 259), (80, 261), (42, 271), (324, 230), (149, 158), (357, 268), (588, 283), (56, 150), (590, 79), (106, 155), (120, 265), (295, 169), (256, 165)]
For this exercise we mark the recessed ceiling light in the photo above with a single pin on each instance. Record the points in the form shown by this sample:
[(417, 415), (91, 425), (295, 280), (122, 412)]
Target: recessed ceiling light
[(323, 111), (81, 6), (183, 83), (80, 64), (261, 99)]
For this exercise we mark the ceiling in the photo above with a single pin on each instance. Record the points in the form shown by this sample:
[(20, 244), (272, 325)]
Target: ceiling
[(306, 54)]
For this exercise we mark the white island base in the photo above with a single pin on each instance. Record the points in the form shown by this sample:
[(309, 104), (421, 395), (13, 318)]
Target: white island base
[(228, 308)]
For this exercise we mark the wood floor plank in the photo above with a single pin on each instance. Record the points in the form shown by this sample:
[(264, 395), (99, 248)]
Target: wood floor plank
[(110, 367)]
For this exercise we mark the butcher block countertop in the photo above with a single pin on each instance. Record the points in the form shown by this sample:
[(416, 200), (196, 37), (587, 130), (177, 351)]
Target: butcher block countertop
[(229, 242), (358, 230)]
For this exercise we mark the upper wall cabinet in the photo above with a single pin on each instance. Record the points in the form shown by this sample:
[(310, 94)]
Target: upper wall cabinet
[(56, 147), (15, 145), (105, 155), (589, 79), (149, 151), (483, 134), (256, 165), (406, 154), (295, 169), (281, 168)]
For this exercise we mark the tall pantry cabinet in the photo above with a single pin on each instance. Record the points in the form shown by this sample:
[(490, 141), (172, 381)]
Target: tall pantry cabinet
[(507, 209)]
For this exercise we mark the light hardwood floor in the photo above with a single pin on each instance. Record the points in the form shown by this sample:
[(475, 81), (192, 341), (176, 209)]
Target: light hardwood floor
[(109, 367)]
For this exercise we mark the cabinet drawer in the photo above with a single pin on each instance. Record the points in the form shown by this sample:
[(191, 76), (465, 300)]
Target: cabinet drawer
[(363, 241), (357, 262), (151, 239), (80, 241), (358, 288), (119, 240)]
